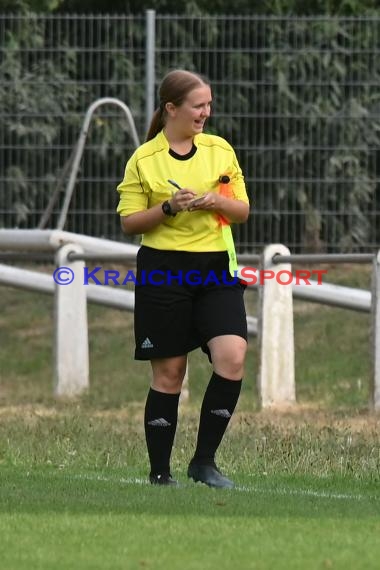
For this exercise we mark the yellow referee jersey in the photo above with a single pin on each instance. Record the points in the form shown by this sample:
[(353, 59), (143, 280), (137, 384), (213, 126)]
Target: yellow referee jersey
[(146, 184)]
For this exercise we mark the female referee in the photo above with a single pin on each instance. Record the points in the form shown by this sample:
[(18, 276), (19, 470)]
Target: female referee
[(181, 190)]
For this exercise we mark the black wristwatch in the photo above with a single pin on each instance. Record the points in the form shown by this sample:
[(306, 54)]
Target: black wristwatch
[(167, 209)]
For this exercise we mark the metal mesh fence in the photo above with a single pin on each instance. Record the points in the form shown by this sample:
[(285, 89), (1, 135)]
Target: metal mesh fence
[(297, 98), (52, 69)]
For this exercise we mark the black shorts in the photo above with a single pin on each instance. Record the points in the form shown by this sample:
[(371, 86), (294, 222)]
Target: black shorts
[(184, 299)]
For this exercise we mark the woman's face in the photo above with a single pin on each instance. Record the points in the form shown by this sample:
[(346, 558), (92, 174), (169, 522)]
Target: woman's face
[(189, 117)]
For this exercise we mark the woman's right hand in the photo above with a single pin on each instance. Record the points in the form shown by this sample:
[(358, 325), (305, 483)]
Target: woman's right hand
[(181, 199)]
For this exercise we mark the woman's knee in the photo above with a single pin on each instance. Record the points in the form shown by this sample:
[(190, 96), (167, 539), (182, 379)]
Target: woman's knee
[(228, 356), (168, 374)]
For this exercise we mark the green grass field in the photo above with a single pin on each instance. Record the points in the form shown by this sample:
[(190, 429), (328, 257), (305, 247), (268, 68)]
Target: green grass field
[(73, 488)]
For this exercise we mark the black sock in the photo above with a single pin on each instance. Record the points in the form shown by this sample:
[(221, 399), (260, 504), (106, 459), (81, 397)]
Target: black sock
[(218, 406), (160, 421)]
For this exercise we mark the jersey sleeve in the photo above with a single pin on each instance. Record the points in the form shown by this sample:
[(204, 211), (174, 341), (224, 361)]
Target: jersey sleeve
[(237, 181), (132, 191)]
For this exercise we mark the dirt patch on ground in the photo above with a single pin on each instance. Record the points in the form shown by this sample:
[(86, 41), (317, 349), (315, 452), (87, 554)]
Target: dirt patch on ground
[(294, 417), (287, 418)]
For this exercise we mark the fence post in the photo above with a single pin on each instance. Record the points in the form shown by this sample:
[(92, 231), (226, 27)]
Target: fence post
[(150, 56), (276, 381), (185, 392), (71, 355), (375, 334)]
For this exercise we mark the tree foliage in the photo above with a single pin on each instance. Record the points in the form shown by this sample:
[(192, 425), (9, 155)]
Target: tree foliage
[(19, 6), (301, 98), (267, 7), (328, 126), (34, 97)]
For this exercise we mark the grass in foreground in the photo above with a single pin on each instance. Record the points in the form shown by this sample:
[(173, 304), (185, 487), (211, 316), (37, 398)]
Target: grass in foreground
[(74, 493), (53, 519)]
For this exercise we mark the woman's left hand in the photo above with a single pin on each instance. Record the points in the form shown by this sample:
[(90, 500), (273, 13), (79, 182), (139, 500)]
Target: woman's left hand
[(209, 201), (232, 210)]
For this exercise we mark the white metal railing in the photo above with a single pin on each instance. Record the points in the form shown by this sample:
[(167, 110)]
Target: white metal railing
[(71, 358), (71, 364), (274, 327)]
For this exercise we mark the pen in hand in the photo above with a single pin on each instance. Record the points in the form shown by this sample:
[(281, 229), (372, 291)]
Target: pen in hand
[(174, 183), (194, 201)]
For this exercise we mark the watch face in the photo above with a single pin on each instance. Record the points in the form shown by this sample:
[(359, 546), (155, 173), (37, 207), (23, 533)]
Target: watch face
[(167, 209)]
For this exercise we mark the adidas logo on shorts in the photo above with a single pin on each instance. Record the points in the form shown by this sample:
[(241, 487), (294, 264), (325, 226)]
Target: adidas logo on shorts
[(147, 343), (160, 422), (222, 413)]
